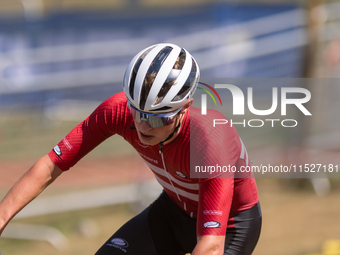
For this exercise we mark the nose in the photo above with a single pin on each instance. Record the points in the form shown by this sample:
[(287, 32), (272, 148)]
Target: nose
[(144, 126)]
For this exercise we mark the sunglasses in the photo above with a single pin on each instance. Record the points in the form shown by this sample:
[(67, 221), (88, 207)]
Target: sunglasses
[(154, 120)]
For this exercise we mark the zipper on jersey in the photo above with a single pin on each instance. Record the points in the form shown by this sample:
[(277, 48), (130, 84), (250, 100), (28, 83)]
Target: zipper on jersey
[(168, 175)]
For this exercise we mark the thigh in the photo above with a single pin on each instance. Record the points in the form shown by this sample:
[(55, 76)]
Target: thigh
[(242, 239), (150, 232), (164, 228), (132, 238)]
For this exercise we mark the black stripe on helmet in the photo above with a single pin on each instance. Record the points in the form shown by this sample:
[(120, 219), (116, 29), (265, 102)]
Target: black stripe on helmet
[(189, 83), (164, 108), (153, 69), (172, 77), (135, 71), (133, 77)]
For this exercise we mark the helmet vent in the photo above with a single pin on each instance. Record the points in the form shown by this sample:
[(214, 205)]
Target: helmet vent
[(190, 82), (135, 71), (172, 77), (180, 60), (133, 76), (164, 108), (151, 74)]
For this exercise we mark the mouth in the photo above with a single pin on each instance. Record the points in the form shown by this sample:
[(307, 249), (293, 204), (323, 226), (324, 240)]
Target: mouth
[(146, 137)]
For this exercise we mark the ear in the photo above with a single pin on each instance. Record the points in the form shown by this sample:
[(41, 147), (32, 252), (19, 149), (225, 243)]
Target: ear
[(187, 105)]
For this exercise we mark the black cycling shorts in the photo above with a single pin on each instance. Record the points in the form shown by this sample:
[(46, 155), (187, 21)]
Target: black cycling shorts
[(164, 229)]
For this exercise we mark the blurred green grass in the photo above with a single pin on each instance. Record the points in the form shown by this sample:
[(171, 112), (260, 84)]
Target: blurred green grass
[(105, 219), (26, 135)]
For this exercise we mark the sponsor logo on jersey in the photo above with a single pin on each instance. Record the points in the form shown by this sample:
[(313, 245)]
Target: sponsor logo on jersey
[(142, 144), (148, 158), (180, 174), (212, 212), (118, 243), (212, 224), (68, 145), (57, 150)]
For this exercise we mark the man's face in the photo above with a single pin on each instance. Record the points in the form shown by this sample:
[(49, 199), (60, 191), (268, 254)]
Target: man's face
[(152, 136)]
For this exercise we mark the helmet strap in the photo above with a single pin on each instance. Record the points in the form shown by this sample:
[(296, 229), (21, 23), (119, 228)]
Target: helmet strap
[(172, 134)]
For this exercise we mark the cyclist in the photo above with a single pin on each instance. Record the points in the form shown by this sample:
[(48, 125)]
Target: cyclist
[(210, 214)]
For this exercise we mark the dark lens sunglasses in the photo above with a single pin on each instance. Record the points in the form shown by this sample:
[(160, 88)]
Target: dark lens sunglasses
[(154, 120)]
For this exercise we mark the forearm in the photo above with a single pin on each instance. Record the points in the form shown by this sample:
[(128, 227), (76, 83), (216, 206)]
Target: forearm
[(29, 186), (209, 245)]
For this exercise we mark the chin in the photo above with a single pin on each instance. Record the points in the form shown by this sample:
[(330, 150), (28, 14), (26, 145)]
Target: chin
[(150, 142)]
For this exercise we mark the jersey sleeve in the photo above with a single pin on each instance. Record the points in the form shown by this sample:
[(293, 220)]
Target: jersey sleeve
[(108, 119), (216, 190), (214, 206), (214, 153)]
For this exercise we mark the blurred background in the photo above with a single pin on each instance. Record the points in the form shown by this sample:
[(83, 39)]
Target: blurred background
[(60, 58)]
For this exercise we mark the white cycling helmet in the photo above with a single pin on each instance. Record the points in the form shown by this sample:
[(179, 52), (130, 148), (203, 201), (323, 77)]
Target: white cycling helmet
[(171, 88)]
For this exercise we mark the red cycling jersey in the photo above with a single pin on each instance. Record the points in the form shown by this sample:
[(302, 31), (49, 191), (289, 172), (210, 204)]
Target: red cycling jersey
[(213, 201)]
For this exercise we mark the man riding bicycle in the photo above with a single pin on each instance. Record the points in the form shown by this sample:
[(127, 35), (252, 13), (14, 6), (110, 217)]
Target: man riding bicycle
[(216, 214)]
